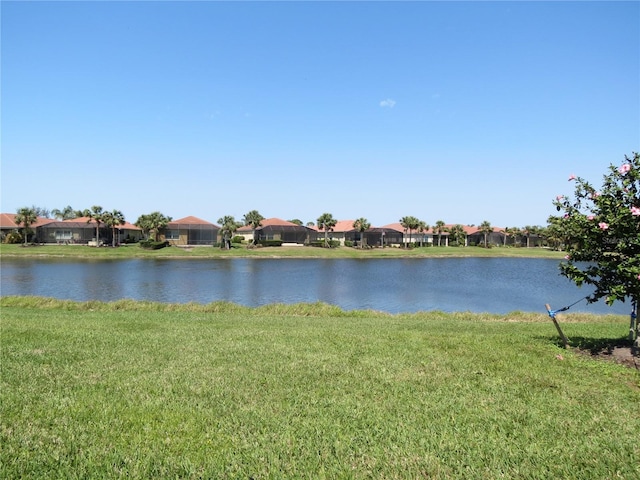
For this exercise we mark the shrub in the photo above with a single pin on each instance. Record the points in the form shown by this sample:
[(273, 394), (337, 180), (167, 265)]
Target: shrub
[(237, 239), (152, 244), (270, 243), (13, 237), (347, 243)]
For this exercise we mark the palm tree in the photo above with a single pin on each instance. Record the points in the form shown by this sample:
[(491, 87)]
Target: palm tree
[(457, 235), (152, 222), (485, 229), (228, 227), (362, 225), (113, 219), (513, 232), (253, 219), (439, 228), (26, 217), (326, 222), (96, 214), (297, 221), (423, 227), (409, 223), (67, 213), (528, 231)]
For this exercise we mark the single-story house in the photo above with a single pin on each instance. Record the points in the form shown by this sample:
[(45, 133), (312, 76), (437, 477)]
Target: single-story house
[(283, 230), (375, 236), (496, 237), (338, 232), (8, 224), (82, 230), (414, 236), (190, 231)]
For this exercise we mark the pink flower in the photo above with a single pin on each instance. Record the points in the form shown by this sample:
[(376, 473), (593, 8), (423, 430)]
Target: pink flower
[(624, 168), (572, 177), (595, 195), (590, 217), (635, 211), (603, 225), (559, 197), (566, 215), (638, 277), (567, 257)]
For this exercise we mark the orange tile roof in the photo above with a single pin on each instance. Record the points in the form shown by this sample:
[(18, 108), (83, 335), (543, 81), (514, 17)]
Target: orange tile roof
[(190, 220), (343, 226), (8, 220), (271, 222), (125, 226)]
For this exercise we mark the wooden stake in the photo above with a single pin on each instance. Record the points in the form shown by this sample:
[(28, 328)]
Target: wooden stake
[(555, 322)]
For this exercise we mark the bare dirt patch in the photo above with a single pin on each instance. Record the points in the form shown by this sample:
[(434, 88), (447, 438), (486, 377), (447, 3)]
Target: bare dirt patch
[(622, 355)]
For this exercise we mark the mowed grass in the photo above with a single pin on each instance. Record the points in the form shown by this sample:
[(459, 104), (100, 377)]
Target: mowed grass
[(134, 251), (144, 390)]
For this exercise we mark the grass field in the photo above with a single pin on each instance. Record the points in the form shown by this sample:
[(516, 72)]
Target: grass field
[(134, 251), (143, 390)]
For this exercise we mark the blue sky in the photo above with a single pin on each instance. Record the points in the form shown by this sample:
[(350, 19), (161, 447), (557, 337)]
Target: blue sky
[(454, 111)]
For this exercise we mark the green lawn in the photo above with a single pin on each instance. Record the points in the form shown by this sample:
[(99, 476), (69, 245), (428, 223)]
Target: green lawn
[(143, 390), (131, 251)]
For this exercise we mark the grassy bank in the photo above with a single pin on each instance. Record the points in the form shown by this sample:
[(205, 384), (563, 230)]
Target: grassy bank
[(134, 251), (143, 390)]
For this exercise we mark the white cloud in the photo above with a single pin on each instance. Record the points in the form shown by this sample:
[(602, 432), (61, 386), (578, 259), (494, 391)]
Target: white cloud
[(388, 103)]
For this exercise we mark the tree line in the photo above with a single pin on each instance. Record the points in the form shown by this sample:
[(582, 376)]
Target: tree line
[(152, 223)]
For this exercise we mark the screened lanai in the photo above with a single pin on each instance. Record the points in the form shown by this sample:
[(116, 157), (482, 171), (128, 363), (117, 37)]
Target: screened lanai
[(190, 231), (286, 233), (375, 237)]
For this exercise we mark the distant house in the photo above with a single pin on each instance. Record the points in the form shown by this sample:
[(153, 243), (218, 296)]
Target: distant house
[(190, 231), (374, 237), (8, 224), (283, 230), (407, 237), (82, 230), (339, 233), (496, 237)]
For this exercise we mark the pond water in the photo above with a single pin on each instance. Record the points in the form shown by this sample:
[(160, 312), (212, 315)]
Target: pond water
[(496, 285)]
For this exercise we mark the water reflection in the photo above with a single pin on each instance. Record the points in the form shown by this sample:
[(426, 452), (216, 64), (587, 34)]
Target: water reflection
[(496, 285)]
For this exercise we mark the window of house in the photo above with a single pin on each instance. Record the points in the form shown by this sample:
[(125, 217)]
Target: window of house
[(63, 235), (172, 235)]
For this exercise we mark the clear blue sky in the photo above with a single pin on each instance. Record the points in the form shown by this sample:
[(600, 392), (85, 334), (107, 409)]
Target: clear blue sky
[(454, 111)]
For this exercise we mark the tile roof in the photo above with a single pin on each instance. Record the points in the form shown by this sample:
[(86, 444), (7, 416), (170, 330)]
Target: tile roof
[(90, 221), (7, 220), (191, 220), (269, 222)]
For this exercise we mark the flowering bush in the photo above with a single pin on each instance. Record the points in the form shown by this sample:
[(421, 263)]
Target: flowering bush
[(600, 230)]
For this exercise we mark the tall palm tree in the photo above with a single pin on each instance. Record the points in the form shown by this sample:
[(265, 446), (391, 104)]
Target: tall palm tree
[(228, 227), (362, 225), (527, 232), (253, 219), (26, 217), (113, 219), (513, 232), (152, 222), (326, 222), (95, 213), (485, 228), (439, 228), (409, 223), (423, 227)]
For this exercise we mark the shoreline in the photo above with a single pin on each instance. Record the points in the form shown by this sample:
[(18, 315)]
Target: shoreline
[(207, 252)]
